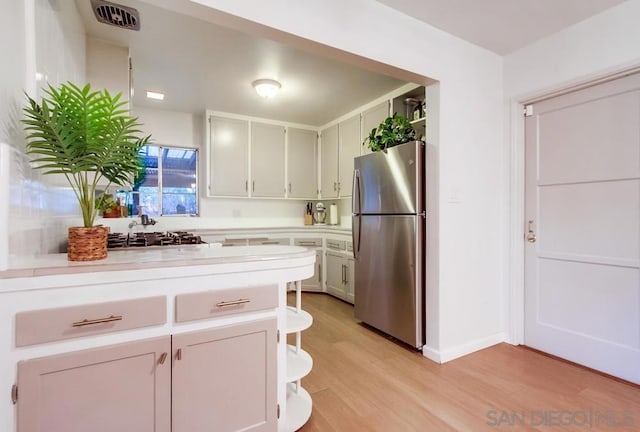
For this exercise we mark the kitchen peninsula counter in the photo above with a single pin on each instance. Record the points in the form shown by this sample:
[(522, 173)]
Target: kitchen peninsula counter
[(53, 309)]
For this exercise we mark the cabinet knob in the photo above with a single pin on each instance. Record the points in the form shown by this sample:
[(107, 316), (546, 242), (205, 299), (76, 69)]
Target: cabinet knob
[(162, 358)]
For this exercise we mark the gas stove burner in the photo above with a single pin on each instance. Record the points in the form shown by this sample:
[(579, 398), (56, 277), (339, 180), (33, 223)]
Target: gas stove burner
[(116, 240), (144, 239)]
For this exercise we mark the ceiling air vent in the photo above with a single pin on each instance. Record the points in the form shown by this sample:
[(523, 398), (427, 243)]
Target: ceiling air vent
[(116, 15)]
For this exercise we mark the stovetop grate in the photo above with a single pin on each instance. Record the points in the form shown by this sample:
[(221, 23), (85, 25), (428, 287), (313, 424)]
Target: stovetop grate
[(145, 239)]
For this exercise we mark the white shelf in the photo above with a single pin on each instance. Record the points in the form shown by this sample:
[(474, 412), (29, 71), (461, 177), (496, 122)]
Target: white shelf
[(299, 406), (416, 121), (297, 321), (299, 364)]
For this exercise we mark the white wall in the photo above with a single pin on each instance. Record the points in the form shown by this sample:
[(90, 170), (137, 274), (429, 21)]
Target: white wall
[(59, 42), (171, 127), (107, 67), (470, 156), (44, 37), (12, 78)]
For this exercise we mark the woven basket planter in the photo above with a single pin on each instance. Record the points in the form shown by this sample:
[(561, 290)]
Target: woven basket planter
[(87, 244)]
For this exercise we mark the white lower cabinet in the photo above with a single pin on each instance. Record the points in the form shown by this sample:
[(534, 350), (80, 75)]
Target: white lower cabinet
[(340, 275), (125, 387), (221, 379), (299, 364), (225, 379), (314, 283)]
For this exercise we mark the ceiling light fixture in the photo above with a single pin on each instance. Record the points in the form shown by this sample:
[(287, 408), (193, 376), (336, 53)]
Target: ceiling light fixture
[(155, 95), (267, 88)]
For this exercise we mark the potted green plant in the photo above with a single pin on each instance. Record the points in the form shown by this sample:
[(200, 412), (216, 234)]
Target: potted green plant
[(108, 207), (89, 137), (391, 132)]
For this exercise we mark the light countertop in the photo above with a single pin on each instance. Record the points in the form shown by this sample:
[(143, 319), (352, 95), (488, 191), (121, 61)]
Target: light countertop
[(153, 257)]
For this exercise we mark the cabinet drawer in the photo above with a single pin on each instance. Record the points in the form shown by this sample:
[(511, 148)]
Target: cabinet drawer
[(210, 304), (47, 325), (349, 247), (308, 242), (336, 244), (269, 241), (234, 242)]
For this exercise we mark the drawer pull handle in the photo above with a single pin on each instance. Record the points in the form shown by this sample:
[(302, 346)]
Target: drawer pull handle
[(232, 302), (162, 358), (306, 243), (86, 322)]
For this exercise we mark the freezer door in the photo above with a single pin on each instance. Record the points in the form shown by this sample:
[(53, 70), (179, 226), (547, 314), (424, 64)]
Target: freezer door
[(391, 182), (389, 287)]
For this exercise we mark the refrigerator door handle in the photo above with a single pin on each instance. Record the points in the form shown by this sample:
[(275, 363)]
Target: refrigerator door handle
[(357, 209)]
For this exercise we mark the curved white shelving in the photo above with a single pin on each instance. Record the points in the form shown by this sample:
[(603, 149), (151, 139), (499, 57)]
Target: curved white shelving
[(299, 406), (299, 363), (297, 321)]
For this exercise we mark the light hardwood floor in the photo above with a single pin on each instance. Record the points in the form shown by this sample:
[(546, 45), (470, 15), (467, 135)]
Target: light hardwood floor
[(363, 381)]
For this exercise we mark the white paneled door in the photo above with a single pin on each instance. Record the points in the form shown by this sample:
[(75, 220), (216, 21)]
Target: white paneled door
[(582, 258)]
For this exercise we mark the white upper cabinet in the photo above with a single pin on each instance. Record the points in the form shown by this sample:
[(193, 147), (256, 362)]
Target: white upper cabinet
[(329, 164), (228, 155), (267, 160), (349, 148), (371, 119), (302, 163)]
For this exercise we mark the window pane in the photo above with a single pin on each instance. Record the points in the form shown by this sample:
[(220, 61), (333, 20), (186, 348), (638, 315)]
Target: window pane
[(145, 201), (179, 182)]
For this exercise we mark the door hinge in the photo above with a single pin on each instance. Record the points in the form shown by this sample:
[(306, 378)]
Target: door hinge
[(14, 394), (528, 110), (278, 411), (278, 336)]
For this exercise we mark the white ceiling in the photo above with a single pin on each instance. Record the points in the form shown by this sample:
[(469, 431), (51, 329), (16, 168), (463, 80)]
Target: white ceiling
[(200, 65), (501, 26)]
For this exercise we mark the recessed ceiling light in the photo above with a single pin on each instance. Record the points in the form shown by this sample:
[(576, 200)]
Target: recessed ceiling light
[(155, 95), (267, 88)]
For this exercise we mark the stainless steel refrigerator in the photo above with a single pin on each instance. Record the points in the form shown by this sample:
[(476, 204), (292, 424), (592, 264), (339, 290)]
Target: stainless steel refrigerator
[(389, 241)]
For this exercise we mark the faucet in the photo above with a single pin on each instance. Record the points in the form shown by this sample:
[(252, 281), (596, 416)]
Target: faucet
[(145, 220)]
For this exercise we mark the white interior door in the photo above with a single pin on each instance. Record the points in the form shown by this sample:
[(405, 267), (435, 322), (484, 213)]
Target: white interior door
[(582, 260)]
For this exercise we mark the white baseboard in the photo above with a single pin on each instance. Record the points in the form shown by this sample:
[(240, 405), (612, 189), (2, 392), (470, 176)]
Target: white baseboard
[(443, 356)]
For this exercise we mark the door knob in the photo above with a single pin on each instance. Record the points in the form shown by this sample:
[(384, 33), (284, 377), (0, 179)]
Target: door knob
[(531, 236)]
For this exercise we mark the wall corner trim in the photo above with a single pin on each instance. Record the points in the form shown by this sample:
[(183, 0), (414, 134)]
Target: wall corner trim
[(443, 356)]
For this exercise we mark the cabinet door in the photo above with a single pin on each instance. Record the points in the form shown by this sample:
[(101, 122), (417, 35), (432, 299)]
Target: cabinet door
[(225, 379), (349, 132), (302, 163), (371, 119), (314, 283), (228, 158), (267, 160), (350, 282), (335, 274), (329, 168), (122, 387)]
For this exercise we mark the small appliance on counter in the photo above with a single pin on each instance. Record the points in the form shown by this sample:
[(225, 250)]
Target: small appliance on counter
[(321, 214)]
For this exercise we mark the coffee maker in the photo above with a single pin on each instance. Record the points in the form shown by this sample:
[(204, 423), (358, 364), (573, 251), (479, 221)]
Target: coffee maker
[(320, 215)]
